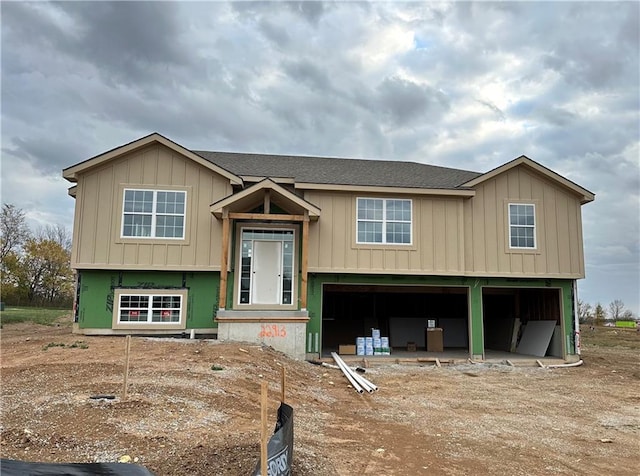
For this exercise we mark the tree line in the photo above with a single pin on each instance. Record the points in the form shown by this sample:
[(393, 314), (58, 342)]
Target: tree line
[(598, 314), (35, 264)]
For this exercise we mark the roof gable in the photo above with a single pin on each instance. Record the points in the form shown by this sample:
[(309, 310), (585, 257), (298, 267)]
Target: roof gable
[(585, 195), (252, 195), (71, 173)]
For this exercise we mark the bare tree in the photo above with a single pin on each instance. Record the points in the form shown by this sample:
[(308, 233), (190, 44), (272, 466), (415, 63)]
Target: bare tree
[(584, 312), (14, 229), (616, 309), (56, 233)]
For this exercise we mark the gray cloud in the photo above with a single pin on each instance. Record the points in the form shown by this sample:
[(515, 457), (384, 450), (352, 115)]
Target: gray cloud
[(467, 85), (308, 73), (407, 102), (274, 32), (310, 11)]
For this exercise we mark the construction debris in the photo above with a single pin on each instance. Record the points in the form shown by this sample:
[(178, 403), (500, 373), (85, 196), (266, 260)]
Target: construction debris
[(359, 383)]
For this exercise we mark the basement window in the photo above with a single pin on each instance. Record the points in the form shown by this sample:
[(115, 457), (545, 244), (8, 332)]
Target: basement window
[(160, 307)]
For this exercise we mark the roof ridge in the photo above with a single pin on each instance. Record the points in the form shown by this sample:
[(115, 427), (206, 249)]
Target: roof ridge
[(319, 157)]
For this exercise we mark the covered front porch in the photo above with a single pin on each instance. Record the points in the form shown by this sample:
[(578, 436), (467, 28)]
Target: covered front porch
[(263, 275)]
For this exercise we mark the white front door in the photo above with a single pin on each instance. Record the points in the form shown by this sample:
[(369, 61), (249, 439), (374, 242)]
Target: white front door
[(266, 272)]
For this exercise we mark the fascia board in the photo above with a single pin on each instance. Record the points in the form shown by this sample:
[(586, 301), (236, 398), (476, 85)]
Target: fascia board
[(586, 195), (71, 173), (393, 190)]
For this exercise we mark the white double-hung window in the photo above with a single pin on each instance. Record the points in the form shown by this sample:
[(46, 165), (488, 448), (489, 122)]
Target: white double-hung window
[(384, 221), (154, 213), (522, 225)]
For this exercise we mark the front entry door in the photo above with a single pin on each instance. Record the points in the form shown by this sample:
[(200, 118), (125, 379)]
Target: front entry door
[(267, 272), (267, 268)]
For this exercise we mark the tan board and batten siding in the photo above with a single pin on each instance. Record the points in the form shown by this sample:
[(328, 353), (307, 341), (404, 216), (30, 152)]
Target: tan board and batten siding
[(559, 250), (452, 235), (97, 242), (437, 237), (458, 236)]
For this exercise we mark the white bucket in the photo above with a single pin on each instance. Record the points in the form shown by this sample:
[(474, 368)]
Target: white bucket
[(359, 340), (360, 349), (375, 333)]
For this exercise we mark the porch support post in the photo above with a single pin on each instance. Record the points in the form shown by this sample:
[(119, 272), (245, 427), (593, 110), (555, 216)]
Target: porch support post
[(305, 256), (476, 326), (267, 201), (224, 259)]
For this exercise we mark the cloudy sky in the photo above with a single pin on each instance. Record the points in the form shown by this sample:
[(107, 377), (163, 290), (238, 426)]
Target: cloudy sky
[(464, 85)]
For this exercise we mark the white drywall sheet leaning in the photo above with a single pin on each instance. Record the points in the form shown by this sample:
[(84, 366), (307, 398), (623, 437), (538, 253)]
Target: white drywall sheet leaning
[(536, 337), (555, 347)]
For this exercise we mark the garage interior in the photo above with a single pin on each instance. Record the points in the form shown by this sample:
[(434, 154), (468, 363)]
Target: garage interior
[(507, 313), (400, 312)]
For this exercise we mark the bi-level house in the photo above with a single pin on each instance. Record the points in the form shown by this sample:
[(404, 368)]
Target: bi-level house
[(306, 253)]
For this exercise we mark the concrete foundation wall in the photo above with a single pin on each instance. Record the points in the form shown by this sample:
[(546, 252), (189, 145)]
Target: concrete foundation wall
[(287, 337)]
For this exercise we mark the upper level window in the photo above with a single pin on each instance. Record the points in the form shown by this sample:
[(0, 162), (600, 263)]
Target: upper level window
[(522, 225), (153, 213), (384, 221)]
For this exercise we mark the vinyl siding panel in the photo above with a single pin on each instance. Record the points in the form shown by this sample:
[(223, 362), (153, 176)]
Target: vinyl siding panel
[(559, 248), (98, 243)]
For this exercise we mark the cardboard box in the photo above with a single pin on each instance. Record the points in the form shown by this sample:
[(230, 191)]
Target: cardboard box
[(347, 350), (433, 338)]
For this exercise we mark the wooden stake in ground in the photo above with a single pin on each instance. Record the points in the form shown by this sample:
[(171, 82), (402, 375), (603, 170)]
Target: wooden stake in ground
[(264, 438), (282, 385), (127, 349)]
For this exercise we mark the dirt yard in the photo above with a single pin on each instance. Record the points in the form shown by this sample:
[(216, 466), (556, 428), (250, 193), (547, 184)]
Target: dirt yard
[(182, 417)]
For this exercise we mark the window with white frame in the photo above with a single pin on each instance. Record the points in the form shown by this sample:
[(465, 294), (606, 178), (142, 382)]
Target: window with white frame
[(150, 308), (384, 221), (154, 213), (522, 225)]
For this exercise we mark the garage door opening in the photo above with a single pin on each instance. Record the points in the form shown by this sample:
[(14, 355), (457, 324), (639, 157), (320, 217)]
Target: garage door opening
[(400, 312), (523, 321)]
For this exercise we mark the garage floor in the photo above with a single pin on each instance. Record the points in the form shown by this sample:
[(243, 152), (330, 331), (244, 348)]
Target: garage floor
[(453, 356)]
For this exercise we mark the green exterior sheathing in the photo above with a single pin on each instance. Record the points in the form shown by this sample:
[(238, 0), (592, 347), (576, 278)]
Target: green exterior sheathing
[(475, 285), (95, 306)]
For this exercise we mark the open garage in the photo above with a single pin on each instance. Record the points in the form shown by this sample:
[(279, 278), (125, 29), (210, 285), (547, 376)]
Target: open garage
[(400, 312), (513, 320)]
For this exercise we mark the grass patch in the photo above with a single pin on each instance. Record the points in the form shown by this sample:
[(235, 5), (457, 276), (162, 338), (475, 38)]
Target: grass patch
[(602, 336), (53, 344), (37, 315), (79, 344)]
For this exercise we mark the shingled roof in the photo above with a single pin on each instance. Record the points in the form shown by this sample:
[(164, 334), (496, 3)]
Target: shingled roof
[(336, 171)]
